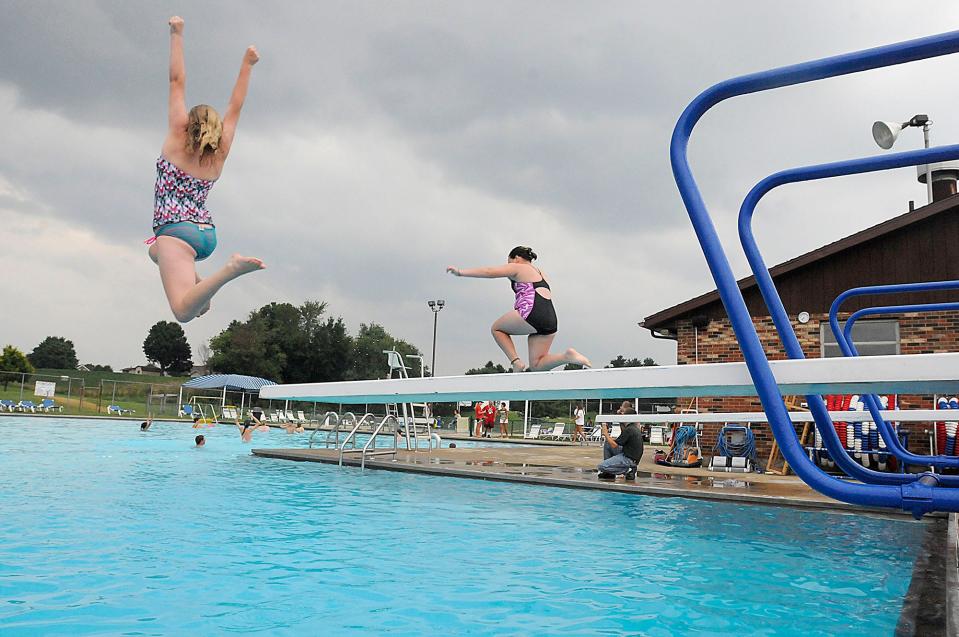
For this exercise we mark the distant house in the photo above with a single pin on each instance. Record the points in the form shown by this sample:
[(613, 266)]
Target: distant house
[(82, 368), (199, 370), (143, 369)]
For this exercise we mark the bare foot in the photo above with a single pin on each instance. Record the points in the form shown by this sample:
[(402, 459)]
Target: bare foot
[(241, 265), (518, 365), (572, 356)]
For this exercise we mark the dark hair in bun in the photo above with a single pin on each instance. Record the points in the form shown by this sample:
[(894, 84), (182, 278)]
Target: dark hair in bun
[(523, 252)]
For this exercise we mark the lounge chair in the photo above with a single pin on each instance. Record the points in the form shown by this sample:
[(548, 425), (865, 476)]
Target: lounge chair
[(595, 434), (27, 405), (275, 418), (300, 418), (187, 410), (8, 405), (118, 410), (230, 413), (533, 432), (49, 405), (558, 432)]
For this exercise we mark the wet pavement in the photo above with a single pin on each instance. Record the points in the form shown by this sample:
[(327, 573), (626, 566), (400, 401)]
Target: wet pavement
[(575, 466)]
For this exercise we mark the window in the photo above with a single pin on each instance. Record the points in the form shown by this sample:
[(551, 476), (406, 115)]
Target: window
[(872, 338)]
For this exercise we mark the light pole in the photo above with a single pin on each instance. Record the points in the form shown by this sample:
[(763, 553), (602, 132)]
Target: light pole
[(885, 134), (436, 306)]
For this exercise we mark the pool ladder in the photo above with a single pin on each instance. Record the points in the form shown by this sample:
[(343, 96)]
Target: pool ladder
[(369, 448), (413, 430)]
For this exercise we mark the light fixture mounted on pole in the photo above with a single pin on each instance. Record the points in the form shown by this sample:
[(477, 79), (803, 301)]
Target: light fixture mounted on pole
[(436, 306), (885, 134)]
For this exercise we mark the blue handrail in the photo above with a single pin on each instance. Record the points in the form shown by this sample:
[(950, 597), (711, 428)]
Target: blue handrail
[(777, 311), (919, 496), (848, 348)]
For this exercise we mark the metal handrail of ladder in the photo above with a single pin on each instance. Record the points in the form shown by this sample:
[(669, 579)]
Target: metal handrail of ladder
[(364, 451), (357, 425), (347, 419), (323, 422)]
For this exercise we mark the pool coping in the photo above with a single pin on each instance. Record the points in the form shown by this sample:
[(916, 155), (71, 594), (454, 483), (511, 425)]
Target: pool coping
[(834, 506)]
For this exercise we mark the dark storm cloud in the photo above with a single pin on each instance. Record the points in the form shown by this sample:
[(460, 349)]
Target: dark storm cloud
[(382, 141)]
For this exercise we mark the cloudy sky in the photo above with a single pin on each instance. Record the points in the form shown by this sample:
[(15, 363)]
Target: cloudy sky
[(382, 141)]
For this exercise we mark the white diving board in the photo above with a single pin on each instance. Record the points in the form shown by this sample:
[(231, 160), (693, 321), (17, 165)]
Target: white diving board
[(906, 374), (892, 415)]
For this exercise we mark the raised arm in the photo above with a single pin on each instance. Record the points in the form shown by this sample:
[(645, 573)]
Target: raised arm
[(491, 272), (250, 57), (177, 114)]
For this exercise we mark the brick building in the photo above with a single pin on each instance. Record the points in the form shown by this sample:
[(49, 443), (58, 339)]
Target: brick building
[(917, 246)]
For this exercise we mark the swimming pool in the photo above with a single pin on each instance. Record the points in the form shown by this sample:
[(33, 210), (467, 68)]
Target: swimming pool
[(109, 531)]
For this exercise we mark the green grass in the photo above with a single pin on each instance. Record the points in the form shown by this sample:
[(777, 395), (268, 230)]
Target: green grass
[(129, 391), (94, 378)]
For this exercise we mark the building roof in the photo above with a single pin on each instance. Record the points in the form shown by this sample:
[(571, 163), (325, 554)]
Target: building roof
[(950, 204)]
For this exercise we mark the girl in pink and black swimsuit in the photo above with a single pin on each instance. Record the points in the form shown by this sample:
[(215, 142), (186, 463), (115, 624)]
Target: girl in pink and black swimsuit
[(532, 315), (191, 160)]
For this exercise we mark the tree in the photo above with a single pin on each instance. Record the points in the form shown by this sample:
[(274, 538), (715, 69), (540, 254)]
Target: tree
[(244, 348), (166, 346), (622, 361), (488, 368), (98, 368), (368, 359), (285, 343), (54, 352), (12, 363)]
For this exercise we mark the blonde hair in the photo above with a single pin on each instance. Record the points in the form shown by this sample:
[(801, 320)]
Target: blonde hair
[(203, 130)]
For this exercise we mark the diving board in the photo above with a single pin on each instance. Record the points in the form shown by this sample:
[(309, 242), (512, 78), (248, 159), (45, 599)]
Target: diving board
[(905, 374), (902, 415)]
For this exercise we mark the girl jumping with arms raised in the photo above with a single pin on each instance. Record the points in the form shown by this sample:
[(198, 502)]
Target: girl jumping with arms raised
[(192, 158), (532, 314)]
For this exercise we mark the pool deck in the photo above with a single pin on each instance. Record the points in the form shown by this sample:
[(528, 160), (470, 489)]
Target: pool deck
[(574, 466)]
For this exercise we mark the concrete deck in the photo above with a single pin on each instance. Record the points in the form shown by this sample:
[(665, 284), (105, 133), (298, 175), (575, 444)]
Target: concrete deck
[(575, 466)]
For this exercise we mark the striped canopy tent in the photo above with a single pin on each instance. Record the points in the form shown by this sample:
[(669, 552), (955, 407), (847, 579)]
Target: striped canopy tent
[(227, 382)]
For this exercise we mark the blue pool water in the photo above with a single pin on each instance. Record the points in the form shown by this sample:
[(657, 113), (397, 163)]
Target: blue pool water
[(109, 531)]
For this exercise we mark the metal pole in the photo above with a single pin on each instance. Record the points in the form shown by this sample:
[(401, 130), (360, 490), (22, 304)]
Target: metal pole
[(526, 420), (433, 363), (925, 136), (23, 379)]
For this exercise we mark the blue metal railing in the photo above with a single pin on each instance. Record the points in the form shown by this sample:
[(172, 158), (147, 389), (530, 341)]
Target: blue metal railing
[(919, 496), (848, 348), (777, 311)]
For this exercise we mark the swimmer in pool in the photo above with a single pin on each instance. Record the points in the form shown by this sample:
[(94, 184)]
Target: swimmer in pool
[(251, 424), (145, 426), (190, 162), (532, 314), (200, 441)]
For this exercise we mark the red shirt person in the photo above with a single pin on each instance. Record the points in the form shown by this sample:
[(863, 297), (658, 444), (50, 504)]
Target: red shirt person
[(489, 417)]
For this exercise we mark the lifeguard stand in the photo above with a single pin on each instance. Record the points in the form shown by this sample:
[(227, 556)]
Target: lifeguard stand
[(414, 428)]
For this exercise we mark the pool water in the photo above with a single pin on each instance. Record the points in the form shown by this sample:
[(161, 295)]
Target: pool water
[(107, 530)]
